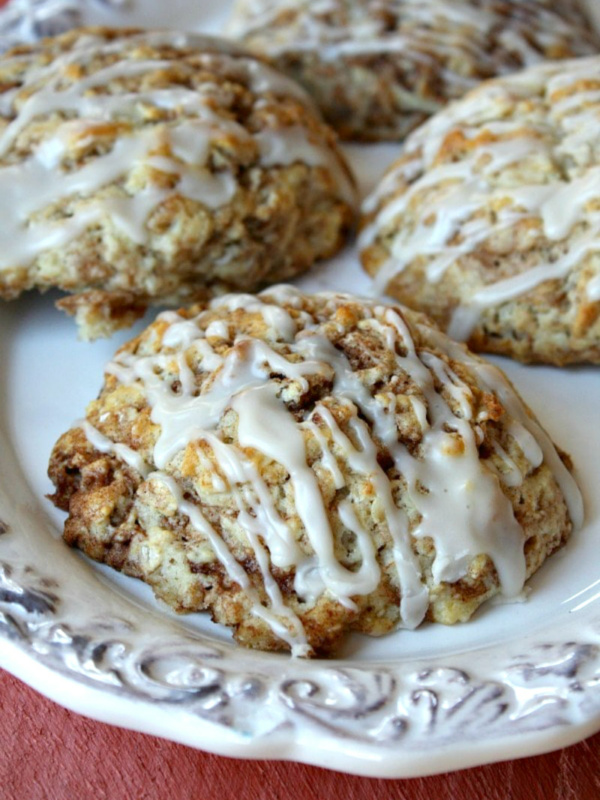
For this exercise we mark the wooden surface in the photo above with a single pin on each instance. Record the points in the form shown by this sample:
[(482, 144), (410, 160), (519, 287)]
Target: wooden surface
[(48, 753)]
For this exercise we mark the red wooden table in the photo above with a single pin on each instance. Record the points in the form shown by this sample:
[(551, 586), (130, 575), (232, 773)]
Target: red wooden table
[(48, 753)]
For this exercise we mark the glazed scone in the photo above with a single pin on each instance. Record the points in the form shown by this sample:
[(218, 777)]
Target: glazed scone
[(490, 219), (140, 167), (379, 68), (302, 466)]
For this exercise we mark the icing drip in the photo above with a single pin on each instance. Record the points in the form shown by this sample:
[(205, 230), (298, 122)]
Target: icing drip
[(593, 289), (414, 595), (292, 633), (530, 436), (470, 201), (263, 423), (104, 445), (453, 497), (102, 187)]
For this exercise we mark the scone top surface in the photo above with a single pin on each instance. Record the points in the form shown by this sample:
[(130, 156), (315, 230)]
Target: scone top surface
[(144, 165), (378, 68), (305, 465), (490, 219)]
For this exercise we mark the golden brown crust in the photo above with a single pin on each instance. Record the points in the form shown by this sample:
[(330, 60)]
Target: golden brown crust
[(178, 166), (134, 522), (489, 220)]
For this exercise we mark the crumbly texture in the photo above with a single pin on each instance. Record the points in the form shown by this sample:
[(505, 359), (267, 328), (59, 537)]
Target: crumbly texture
[(158, 167), (136, 523), (378, 69), (490, 219)]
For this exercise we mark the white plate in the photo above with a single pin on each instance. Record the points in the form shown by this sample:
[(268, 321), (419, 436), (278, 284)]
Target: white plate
[(517, 680)]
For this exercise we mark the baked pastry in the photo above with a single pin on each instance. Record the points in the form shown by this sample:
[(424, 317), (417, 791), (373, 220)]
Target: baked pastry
[(304, 465), (139, 167), (379, 68), (490, 219)]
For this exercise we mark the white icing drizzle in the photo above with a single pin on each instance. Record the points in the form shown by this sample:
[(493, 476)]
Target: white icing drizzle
[(420, 411), (488, 35), (219, 329), (34, 184), (239, 470), (448, 484), (296, 146), (469, 201), (327, 458), (511, 474), (455, 498), (263, 424), (292, 632), (593, 289), (533, 440), (414, 595), (104, 445)]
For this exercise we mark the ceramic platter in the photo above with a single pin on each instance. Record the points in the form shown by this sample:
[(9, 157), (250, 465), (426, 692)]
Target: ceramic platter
[(519, 679)]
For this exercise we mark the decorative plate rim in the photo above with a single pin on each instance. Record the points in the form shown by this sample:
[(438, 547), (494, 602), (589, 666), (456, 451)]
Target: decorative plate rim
[(394, 718)]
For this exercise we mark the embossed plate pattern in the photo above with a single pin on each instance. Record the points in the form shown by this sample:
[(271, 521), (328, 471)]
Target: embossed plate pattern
[(517, 680)]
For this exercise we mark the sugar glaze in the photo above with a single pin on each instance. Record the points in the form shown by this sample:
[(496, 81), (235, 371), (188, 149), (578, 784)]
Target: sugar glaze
[(458, 498), (103, 186), (473, 202)]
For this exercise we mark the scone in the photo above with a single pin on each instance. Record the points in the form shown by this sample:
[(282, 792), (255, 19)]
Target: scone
[(490, 219), (302, 466), (144, 167), (379, 68)]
